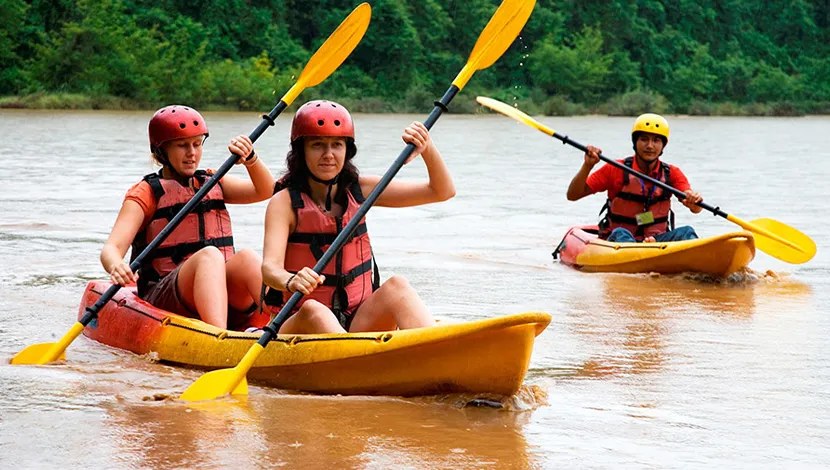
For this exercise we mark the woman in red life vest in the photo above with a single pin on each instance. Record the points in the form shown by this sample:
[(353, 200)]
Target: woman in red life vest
[(322, 191), (194, 272), (638, 210)]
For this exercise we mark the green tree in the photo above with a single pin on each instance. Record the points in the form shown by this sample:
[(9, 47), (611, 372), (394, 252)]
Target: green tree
[(578, 72), (814, 78), (772, 84), (694, 80), (12, 16)]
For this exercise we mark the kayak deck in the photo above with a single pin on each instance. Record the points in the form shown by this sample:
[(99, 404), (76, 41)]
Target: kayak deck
[(484, 356), (717, 256)]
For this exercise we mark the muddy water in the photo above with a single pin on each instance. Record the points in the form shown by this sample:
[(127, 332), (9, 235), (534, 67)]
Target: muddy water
[(634, 370)]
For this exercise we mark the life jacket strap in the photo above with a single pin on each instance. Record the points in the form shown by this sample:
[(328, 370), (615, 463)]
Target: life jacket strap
[(317, 241), (643, 199), (333, 280), (202, 207), (621, 219), (178, 252)]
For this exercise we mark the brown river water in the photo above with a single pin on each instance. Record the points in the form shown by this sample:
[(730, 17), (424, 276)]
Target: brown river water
[(634, 371)]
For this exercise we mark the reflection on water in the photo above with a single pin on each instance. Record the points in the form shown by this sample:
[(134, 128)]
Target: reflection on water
[(632, 322), (270, 429)]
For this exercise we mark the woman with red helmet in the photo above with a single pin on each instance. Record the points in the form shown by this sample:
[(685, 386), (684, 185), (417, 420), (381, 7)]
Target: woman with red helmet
[(320, 192), (194, 271)]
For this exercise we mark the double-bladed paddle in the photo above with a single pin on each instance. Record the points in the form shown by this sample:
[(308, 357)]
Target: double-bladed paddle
[(326, 60), (772, 237), (494, 40)]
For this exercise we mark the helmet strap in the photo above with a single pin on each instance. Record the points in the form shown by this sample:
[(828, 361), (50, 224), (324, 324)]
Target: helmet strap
[(330, 183), (161, 156)]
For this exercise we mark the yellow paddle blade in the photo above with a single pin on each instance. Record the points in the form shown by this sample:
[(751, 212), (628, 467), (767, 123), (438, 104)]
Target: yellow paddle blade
[(514, 113), (333, 52), (224, 381), (497, 36), (216, 384), (779, 240), (37, 354), (44, 353)]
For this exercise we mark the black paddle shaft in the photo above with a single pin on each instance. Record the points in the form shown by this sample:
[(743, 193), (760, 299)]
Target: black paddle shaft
[(340, 240), (267, 121), (715, 210)]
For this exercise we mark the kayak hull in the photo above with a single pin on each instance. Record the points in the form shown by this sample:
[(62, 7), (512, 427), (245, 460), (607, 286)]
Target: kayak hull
[(484, 356), (717, 256)]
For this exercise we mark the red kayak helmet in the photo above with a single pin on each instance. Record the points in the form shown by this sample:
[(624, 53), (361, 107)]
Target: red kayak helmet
[(322, 118), (175, 122)]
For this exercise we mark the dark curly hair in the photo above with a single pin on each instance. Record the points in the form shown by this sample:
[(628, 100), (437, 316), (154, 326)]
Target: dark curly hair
[(298, 174)]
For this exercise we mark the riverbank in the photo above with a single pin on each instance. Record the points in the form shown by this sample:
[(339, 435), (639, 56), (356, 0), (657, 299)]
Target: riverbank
[(627, 104)]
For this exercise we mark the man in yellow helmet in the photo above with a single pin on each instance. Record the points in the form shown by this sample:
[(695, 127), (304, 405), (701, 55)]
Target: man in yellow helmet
[(638, 210)]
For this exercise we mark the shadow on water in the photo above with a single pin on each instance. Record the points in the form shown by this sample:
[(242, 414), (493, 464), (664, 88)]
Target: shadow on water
[(274, 429)]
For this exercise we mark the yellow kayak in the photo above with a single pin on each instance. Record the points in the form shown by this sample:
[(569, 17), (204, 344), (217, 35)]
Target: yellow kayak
[(717, 256), (483, 356)]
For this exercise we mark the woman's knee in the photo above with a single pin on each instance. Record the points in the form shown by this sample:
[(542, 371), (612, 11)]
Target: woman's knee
[(313, 311), (248, 256), (209, 254), (245, 264), (396, 284)]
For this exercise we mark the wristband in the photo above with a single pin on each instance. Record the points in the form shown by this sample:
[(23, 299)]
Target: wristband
[(288, 289), (250, 161)]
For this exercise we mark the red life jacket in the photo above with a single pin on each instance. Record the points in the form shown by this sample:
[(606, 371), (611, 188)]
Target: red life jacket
[(209, 224), (350, 277), (636, 197)]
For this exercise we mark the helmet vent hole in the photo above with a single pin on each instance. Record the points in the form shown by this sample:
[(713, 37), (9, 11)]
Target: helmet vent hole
[(172, 110), (336, 122), (333, 105), (318, 105), (321, 122), (182, 125), (196, 123)]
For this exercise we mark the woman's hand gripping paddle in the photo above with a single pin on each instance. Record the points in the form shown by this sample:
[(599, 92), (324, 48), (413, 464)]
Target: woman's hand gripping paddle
[(772, 237), (497, 36), (325, 61)]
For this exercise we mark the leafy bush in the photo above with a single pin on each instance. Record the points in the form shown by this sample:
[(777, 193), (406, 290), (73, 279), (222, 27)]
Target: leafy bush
[(578, 72), (637, 102)]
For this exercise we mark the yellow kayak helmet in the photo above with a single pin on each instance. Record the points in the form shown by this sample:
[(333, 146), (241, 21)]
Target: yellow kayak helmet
[(653, 124)]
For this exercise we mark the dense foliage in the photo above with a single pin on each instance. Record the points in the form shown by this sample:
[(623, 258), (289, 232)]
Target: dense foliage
[(614, 56)]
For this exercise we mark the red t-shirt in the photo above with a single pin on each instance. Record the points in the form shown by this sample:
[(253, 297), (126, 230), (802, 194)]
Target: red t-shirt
[(610, 178)]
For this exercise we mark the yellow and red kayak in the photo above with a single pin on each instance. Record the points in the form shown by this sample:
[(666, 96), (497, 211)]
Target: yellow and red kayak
[(483, 356), (717, 256)]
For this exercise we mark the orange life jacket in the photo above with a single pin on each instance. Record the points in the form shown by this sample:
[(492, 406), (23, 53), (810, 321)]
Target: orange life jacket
[(209, 224), (635, 198), (350, 277)]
